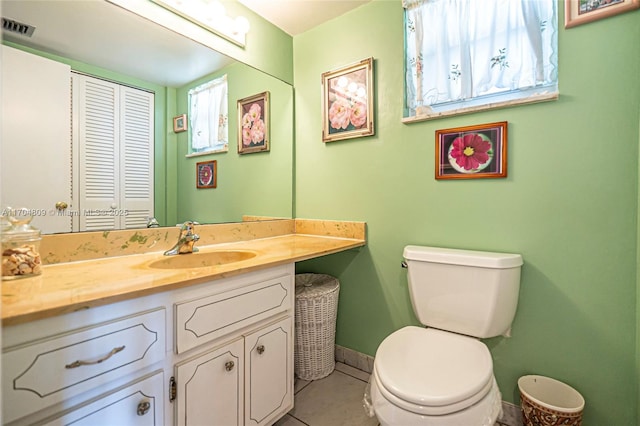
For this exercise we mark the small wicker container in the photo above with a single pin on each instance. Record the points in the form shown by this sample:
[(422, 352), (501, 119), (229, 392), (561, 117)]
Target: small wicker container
[(315, 323)]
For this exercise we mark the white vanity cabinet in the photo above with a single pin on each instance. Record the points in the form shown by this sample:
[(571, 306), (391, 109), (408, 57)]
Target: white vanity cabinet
[(68, 363), (139, 404), (269, 373), (217, 353), (241, 338), (210, 387)]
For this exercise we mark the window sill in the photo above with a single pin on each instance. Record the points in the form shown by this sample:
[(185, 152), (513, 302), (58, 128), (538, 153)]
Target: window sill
[(534, 99), (200, 154)]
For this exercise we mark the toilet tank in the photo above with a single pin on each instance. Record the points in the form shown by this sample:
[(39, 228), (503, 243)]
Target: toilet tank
[(464, 291)]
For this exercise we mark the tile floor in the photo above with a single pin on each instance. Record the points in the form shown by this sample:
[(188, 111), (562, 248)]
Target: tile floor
[(335, 400)]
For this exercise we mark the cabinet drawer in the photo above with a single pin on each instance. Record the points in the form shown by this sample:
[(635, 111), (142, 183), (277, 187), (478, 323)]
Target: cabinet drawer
[(137, 404), (208, 318), (50, 370)]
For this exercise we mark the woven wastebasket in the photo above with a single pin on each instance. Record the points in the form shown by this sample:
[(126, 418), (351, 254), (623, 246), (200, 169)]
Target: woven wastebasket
[(315, 323)]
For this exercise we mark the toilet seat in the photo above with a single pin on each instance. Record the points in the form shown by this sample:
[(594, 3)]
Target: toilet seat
[(432, 372)]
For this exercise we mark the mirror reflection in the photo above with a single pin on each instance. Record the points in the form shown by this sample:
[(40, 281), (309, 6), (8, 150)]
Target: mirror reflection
[(54, 154)]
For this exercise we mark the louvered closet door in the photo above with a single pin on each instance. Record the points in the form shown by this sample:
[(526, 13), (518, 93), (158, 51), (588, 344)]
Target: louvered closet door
[(136, 173), (114, 128), (97, 110)]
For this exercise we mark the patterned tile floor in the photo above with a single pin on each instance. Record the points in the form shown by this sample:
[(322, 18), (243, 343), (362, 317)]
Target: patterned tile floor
[(335, 400)]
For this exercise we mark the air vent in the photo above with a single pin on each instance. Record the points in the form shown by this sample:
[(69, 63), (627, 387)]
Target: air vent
[(17, 27)]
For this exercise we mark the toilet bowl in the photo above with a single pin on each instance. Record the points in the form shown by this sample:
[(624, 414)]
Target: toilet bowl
[(442, 375), (425, 376)]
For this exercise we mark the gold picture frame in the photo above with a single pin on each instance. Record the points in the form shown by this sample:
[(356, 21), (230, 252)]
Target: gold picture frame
[(207, 174), (577, 12), (347, 102), (472, 152), (180, 123), (253, 123)]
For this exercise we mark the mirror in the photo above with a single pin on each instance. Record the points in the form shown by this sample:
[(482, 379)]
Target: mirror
[(103, 40)]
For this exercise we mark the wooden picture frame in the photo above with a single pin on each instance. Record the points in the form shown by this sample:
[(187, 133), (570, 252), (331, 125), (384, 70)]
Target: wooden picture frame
[(347, 102), (180, 123), (472, 152), (207, 174), (577, 12), (253, 123)]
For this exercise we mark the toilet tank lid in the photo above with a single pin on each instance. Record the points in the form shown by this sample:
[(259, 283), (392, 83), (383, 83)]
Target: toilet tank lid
[(482, 259)]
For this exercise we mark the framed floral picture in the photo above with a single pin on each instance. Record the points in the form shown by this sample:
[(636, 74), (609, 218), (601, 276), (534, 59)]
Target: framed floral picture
[(207, 174), (472, 152), (347, 102), (578, 12), (253, 123)]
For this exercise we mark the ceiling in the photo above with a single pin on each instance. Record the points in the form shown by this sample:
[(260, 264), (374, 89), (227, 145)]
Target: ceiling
[(107, 36), (297, 16), (101, 34)]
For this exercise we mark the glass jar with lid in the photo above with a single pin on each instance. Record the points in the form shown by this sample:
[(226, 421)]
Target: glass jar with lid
[(20, 246)]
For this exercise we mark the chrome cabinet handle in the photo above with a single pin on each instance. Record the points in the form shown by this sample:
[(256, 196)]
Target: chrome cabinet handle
[(260, 349), (229, 365), (79, 363), (143, 408)]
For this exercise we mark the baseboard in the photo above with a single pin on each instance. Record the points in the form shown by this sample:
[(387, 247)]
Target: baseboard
[(511, 413), (354, 359)]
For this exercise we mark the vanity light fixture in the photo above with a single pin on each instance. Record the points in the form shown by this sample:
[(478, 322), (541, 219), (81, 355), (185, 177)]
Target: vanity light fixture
[(211, 15)]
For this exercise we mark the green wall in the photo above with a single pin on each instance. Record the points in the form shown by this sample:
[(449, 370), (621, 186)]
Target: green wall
[(569, 203), (259, 183), (267, 48)]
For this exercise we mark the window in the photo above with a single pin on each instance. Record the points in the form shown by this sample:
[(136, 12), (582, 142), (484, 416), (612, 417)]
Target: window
[(208, 117), (468, 55)]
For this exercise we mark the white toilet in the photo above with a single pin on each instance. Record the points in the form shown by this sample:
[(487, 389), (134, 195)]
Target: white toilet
[(440, 375)]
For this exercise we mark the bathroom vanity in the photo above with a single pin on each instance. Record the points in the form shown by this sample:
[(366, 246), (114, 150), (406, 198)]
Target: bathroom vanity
[(148, 340)]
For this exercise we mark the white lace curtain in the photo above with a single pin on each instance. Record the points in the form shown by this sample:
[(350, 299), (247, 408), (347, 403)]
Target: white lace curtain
[(462, 49), (208, 116)]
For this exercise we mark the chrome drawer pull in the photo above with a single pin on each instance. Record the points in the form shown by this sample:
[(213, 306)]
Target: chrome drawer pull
[(228, 365), (143, 408), (79, 363), (260, 349)]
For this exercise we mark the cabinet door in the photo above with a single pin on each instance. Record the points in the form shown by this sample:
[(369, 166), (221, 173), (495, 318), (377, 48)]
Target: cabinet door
[(210, 387), (36, 137), (138, 404), (269, 373)]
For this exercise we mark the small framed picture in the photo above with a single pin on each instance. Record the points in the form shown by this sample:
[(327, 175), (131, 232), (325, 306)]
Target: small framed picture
[(207, 174), (347, 102), (578, 12), (253, 123), (472, 152), (180, 123)]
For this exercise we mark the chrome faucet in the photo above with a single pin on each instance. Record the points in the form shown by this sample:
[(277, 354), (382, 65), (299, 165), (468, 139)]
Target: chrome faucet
[(186, 240)]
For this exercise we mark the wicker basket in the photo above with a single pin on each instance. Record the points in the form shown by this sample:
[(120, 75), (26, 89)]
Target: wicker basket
[(315, 319)]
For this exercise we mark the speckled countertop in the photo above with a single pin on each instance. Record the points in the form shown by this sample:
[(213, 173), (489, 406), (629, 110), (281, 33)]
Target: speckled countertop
[(101, 276)]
